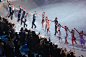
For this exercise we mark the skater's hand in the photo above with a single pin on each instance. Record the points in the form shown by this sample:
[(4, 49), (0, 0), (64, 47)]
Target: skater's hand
[(17, 9), (50, 20)]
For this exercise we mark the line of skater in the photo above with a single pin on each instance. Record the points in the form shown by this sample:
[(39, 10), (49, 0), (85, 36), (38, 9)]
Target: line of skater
[(23, 18)]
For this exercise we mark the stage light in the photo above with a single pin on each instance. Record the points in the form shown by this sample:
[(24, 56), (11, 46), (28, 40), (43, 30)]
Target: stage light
[(42, 36)]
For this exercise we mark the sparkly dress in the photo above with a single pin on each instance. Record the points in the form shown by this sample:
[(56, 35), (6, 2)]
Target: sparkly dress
[(82, 41)]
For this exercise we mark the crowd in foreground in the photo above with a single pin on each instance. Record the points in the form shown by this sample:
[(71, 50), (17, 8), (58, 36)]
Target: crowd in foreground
[(35, 43)]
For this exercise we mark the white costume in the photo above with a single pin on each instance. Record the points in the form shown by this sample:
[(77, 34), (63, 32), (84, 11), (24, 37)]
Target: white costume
[(66, 33), (59, 32)]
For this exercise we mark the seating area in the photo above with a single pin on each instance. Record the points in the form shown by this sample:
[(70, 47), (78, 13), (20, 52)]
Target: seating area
[(27, 43)]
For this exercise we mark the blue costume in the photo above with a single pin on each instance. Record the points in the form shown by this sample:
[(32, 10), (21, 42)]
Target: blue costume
[(19, 14), (82, 41)]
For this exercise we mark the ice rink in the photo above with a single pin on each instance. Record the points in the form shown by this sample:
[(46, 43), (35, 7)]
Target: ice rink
[(71, 13)]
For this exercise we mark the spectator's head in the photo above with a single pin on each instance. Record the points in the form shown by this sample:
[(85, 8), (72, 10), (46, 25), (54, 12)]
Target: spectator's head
[(56, 46), (13, 24), (45, 39), (8, 20), (21, 29), (26, 29), (53, 43)]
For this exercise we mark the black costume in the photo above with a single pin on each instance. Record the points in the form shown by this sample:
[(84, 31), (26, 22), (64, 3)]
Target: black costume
[(33, 22), (24, 21), (56, 22), (22, 17)]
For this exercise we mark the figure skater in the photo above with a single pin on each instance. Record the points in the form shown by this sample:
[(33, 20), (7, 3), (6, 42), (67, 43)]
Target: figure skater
[(47, 26), (34, 18), (81, 41), (73, 39), (12, 11), (59, 32), (9, 8), (19, 13), (43, 16), (25, 19), (56, 22), (66, 31), (46, 20), (23, 15)]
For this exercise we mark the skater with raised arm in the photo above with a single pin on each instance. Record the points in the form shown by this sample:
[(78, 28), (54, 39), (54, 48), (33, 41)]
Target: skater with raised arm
[(81, 41), (12, 11), (73, 39), (66, 34), (34, 18), (43, 19)]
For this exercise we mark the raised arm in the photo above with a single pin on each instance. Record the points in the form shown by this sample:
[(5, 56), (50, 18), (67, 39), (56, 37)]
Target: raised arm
[(51, 21), (30, 13), (69, 30), (84, 34), (76, 30), (62, 26), (39, 14)]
